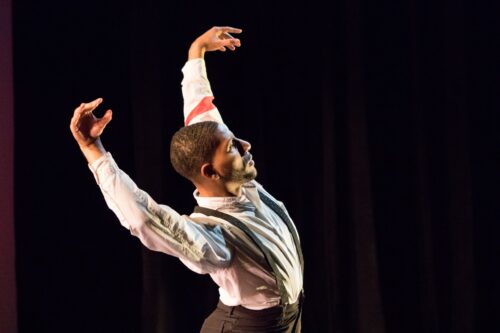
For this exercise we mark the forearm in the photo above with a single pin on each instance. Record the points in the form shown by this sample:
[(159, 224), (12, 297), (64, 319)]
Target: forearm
[(196, 50), (159, 227), (198, 105)]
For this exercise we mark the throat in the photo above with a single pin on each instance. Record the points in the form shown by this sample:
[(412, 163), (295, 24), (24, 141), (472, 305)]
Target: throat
[(233, 189), (225, 190)]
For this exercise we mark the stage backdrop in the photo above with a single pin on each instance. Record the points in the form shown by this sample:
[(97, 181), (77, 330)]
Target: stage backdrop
[(375, 122)]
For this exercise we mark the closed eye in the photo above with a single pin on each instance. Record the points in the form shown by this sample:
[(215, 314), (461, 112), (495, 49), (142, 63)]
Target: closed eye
[(234, 144), (231, 145)]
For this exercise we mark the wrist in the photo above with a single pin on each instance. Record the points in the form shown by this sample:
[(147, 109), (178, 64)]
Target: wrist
[(197, 50), (93, 151)]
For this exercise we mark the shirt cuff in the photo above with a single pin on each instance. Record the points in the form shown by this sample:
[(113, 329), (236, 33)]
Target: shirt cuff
[(104, 167)]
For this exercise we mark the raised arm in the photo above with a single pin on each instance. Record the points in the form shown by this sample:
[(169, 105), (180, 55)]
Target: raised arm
[(159, 227), (198, 97)]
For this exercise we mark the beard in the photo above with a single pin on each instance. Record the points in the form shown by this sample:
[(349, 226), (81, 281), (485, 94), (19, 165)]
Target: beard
[(247, 176), (234, 178), (241, 173), (241, 176)]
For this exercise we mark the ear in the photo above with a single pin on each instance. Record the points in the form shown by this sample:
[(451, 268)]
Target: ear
[(208, 171)]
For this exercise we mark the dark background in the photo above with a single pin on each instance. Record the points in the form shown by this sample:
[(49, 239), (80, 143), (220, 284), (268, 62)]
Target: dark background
[(376, 122)]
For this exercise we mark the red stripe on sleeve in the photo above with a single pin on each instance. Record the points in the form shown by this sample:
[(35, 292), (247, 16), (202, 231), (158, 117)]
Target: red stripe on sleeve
[(202, 107)]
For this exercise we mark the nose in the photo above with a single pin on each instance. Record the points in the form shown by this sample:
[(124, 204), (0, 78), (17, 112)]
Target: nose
[(244, 146)]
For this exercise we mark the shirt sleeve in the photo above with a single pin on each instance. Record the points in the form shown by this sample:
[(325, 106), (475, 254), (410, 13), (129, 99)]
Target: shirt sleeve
[(197, 94), (160, 228)]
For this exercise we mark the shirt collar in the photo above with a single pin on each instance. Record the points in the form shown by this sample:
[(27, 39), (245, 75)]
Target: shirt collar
[(225, 204)]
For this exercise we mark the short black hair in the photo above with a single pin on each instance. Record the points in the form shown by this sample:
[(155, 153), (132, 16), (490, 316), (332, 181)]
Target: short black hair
[(192, 146)]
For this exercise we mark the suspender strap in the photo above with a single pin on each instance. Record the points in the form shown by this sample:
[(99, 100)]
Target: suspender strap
[(237, 223), (284, 216)]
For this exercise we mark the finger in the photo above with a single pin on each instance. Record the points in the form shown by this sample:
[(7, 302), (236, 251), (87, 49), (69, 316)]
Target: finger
[(78, 109), (107, 117), (77, 115), (74, 120), (231, 43), (86, 108), (72, 124), (102, 122), (222, 48), (230, 30), (226, 35), (89, 107), (74, 127), (227, 38)]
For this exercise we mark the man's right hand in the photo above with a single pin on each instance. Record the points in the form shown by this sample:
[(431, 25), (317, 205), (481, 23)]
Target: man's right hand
[(87, 128), (215, 39)]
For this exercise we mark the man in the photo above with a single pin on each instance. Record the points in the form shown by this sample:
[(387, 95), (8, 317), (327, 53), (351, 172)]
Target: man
[(239, 234)]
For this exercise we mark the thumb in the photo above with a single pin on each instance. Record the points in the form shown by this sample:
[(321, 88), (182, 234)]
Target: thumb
[(107, 117), (102, 123)]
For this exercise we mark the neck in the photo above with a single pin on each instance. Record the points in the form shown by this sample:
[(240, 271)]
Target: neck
[(219, 190)]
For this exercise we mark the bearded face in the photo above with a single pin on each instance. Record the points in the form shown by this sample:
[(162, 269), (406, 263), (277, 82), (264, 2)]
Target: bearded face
[(232, 160)]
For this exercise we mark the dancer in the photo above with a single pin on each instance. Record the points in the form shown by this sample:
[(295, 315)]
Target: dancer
[(239, 234)]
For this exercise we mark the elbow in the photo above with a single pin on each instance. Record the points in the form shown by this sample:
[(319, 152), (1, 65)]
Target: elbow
[(141, 229)]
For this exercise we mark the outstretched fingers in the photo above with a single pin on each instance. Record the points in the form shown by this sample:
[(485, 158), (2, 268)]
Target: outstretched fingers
[(229, 41), (226, 40)]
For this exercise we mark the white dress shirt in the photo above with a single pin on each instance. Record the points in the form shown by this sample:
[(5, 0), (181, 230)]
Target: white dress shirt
[(206, 244)]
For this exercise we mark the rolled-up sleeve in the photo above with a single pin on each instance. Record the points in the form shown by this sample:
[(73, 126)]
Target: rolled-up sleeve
[(160, 228), (197, 94)]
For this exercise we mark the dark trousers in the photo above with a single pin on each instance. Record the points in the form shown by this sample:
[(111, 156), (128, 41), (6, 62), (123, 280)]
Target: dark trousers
[(237, 319)]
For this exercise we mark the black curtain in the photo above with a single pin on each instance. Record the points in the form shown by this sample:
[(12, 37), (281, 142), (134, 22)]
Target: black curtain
[(375, 122)]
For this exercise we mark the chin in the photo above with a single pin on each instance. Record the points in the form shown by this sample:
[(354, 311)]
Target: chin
[(252, 174), (243, 176)]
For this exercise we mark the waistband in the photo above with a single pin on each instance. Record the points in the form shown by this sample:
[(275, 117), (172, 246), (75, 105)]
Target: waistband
[(273, 311)]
